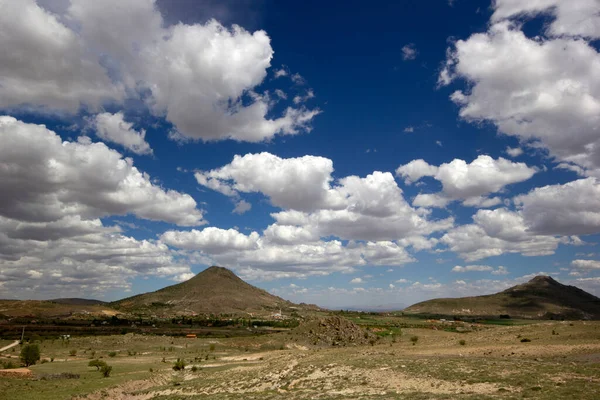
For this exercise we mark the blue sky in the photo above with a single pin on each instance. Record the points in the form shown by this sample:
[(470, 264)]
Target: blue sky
[(357, 155)]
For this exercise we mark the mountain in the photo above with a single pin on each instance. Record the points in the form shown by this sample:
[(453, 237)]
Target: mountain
[(78, 302), (540, 298), (215, 290)]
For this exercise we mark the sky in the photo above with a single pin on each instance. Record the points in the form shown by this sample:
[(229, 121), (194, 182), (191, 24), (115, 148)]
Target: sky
[(348, 154)]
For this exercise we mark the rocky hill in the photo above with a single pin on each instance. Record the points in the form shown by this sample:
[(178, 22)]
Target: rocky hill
[(540, 298), (215, 290)]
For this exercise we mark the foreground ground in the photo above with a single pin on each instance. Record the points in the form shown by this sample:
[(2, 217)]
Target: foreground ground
[(561, 361)]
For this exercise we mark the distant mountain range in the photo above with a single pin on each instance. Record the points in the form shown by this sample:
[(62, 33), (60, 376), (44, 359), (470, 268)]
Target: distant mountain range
[(217, 290), (540, 298)]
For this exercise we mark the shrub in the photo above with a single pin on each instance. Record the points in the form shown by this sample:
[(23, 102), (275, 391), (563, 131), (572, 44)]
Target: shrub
[(106, 370), (462, 342), (179, 365), (96, 363), (30, 354), (8, 365), (525, 340), (73, 353), (414, 339), (212, 347), (44, 360), (194, 368), (112, 354)]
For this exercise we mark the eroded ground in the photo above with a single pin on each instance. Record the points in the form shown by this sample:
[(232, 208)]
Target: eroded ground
[(561, 361)]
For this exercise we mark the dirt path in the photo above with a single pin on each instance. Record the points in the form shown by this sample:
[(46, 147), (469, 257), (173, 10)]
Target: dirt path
[(10, 346)]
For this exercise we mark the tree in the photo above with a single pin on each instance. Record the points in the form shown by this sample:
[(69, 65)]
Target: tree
[(106, 370), (30, 354), (96, 363)]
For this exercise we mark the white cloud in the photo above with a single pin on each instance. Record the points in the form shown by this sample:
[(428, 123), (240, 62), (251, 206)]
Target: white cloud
[(415, 170), (500, 271), (44, 179), (409, 52), (241, 207), (546, 92), (277, 254), (301, 183), (201, 77), (281, 94), (370, 208), (409, 129), (569, 209), (469, 182), (586, 264), (356, 281), (573, 18), (211, 240), (298, 79), (496, 232), (45, 63), (480, 268), (113, 128), (310, 94), (281, 72), (470, 268), (514, 151), (75, 256)]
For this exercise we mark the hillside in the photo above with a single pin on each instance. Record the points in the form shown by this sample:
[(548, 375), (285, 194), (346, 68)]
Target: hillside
[(215, 290), (540, 298), (78, 302), (52, 309)]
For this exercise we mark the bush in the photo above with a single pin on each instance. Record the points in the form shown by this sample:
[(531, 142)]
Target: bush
[(112, 354), (525, 340), (8, 365), (96, 363), (194, 368), (106, 370), (30, 354), (462, 342), (44, 360), (212, 347), (73, 353), (179, 365), (414, 339)]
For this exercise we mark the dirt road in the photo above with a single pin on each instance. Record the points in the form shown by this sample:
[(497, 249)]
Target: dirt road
[(16, 342)]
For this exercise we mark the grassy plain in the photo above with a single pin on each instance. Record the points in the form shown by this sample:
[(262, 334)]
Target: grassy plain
[(561, 360)]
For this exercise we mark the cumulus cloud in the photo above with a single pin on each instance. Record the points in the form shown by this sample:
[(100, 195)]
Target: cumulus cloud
[(545, 92), (569, 209), (514, 151), (468, 182), (44, 63), (573, 18), (409, 52), (354, 208), (497, 232), (241, 207), (113, 128), (301, 183), (586, 264), (45, 179), (469, 268), (52, 241), (480, 268), (72, 256), (265, 257), (202, 78)]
